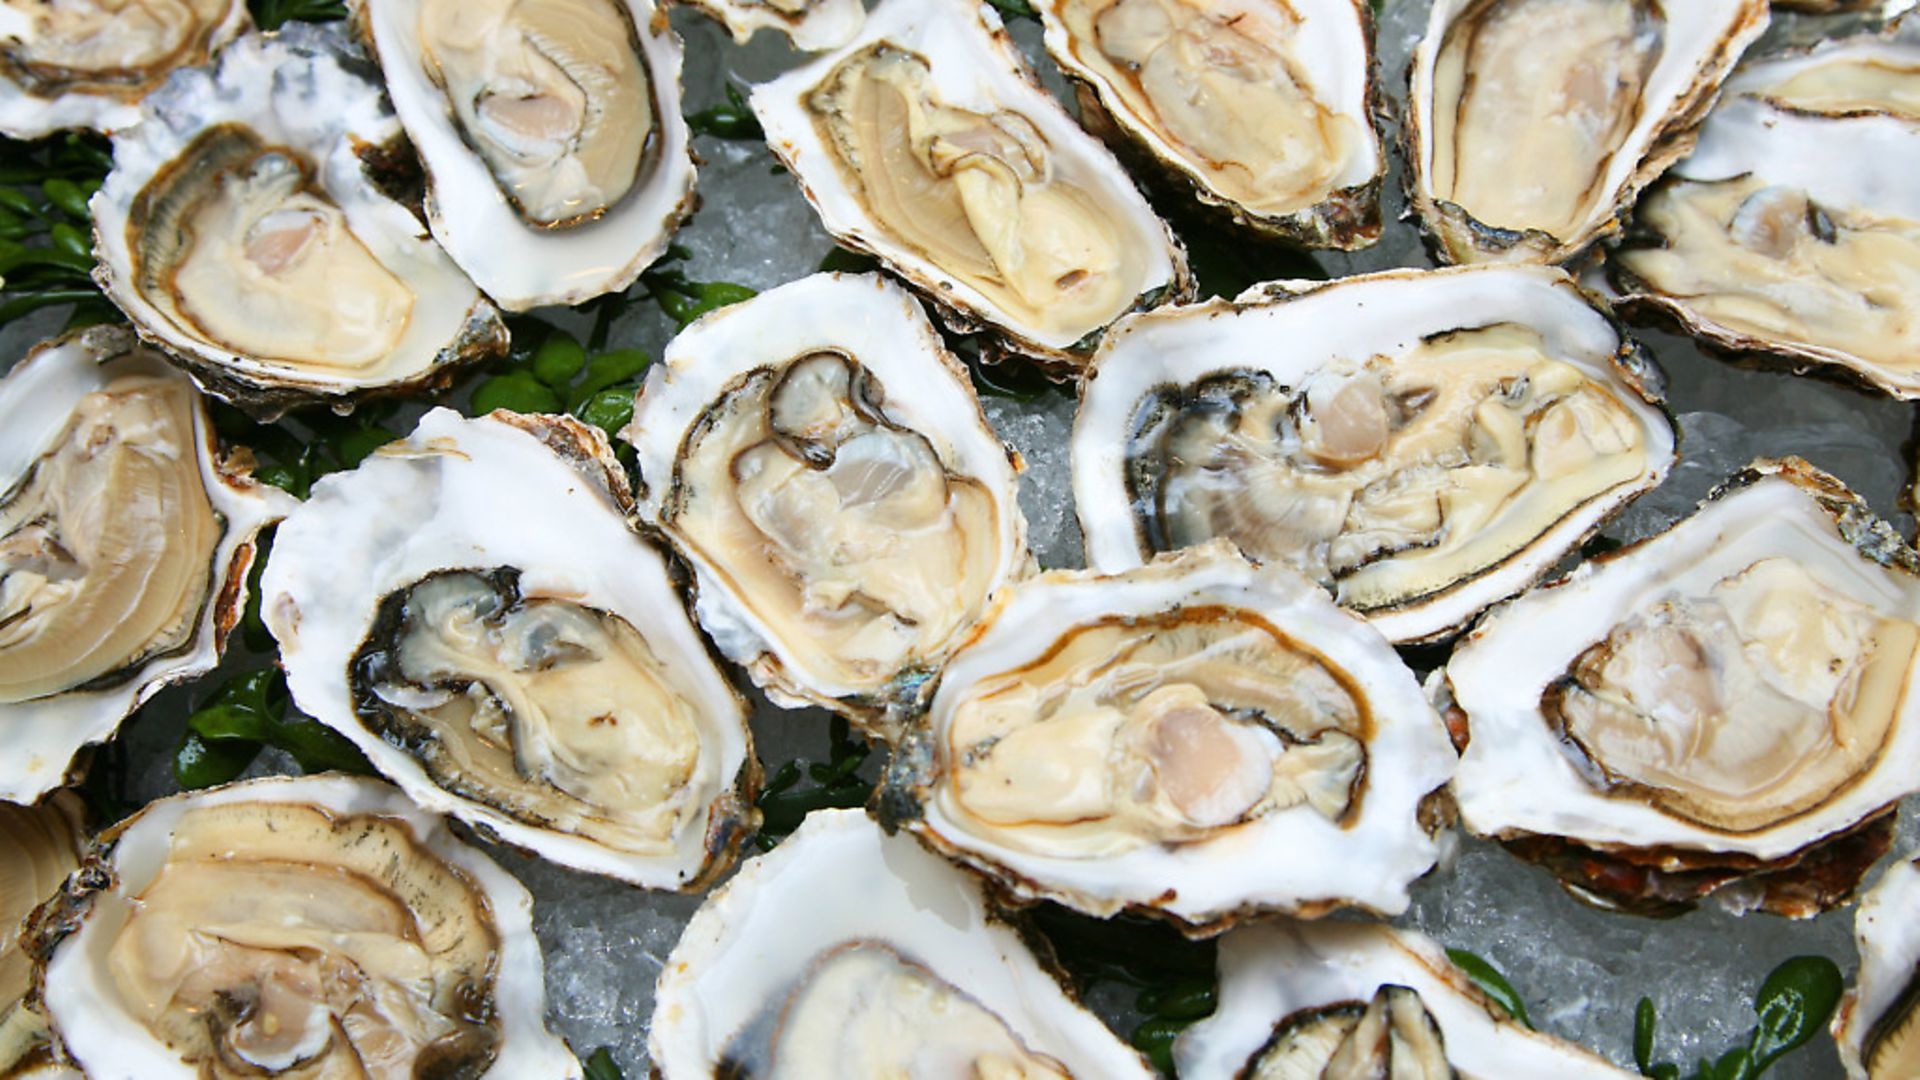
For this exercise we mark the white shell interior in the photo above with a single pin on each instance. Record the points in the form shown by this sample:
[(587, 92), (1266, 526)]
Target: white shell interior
[(479, 494), (1889, 941), (825, 24)]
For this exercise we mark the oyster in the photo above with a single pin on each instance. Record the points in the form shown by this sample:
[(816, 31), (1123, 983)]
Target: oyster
[(242, 230), (812, 25), (1756, 243), (313, 927), (1533, 124), (820, 459), (39, 846), (1137, 741), (900, 961), (1262, 107), (125, 542), (510, 652), (1343, 1001), (1723, 707), (925, 142), (1426, 444), (557, 160), (1878, 1025), (87, 63)]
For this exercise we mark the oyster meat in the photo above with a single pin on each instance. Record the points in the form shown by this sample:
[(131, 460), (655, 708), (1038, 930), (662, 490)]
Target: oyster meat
[(901, 967), (39, 846), (1262, 107), (1756, 243), (242, 230), (1533, 124), (820, 459), (1343, 1001), (87, 63), (1144, 741), (1878, 1025), (509, 651), (557, 159), (924, 142), (1428, 443), (1723, 707), (125, 542), (299, 928), (813, 25)]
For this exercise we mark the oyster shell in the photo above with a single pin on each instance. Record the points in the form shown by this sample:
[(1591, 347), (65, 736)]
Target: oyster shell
[(1756, 243), (925, 142), (87, 63), (510, 652), (292, 928), (125, 541), (39, 846), (558, 163), (813, 25), (242, 230), (821, 461), (1876, 1025), (900, 959), (1261, 107), (1428, 442), (1141, 741), (1722, 707), (1533, 124), (1309, 1000)]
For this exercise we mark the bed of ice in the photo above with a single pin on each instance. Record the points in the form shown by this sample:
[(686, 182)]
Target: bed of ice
[(1580, 971)]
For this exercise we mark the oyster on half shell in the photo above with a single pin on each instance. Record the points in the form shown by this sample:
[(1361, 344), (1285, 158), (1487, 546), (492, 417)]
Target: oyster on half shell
[(1723, 710), (925, 142), (813, 25), (508, 650), (1878, 1024), (242, 230), (39, 846), (1262, 107), (1533, 124), (125, 542)]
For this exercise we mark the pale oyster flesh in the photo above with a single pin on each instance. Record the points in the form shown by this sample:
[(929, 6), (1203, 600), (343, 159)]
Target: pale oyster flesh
[(39, 847), (278, 937), (852, 536), (1392, 1035), (1533, 99), (1385, 477), (553, 94), (1748, 703), (236, 239), (865, 1009), (1228, 90), (981, 195), (1157, 730), (107, 546), (549, 711)]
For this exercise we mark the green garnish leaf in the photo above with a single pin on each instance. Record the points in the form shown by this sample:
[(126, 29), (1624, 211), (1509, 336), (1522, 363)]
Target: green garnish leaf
[(1794, 1004), (601, 1067), (516, 391), (558, 359), (609, 369), (731, 119), (685, 304), (848, 261), (269, 14), (1491, 983), (784, 803), (1643, 1023), (1014, 9), (609, 410), (201, 763), (1154, 1038)]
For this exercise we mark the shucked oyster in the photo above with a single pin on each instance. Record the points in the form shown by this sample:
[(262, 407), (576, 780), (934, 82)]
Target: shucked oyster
[(1340, 1001), (1149, 740), (241, 230), (1262, 107), (811, 24), (1756, 242), (1533, 124), (819, 458), (87, 63), (557, 159), (899, 967), (1425, 444), (509, 651), (39, 847), (319, 927), (924, 142), (1878, 1025), (1727, 705), (125, 541)]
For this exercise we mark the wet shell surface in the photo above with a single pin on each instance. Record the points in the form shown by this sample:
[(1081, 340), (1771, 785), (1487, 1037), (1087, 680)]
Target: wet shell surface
[(899, 959), (125, 542), (509, 651), (1147, 741)]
